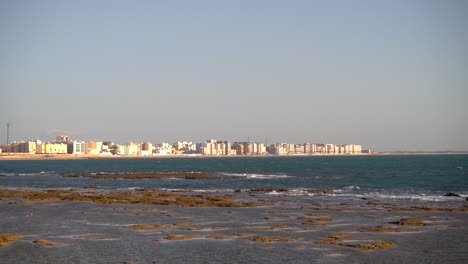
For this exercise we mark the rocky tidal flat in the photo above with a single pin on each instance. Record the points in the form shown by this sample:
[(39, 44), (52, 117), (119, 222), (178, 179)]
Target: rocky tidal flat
[(92, 225)]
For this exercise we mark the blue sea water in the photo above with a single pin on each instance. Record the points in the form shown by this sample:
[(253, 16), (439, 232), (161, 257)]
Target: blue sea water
[(393, 175)]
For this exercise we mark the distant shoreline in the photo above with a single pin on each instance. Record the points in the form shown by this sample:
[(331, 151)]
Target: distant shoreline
[(24, 156)]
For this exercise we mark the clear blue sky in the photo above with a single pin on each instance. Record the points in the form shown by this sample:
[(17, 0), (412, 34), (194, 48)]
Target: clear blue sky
[(391, 75)]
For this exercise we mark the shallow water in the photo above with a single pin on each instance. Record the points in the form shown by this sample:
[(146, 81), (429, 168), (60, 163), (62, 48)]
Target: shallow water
[(72, 222), (365, 188)]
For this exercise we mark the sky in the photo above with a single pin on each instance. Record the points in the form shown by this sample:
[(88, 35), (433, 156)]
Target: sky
[(390, 75)]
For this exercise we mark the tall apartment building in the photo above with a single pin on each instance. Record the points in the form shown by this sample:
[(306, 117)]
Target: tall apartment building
[(146, 146), (51, 148), (92, 147), (214, 148), (76, 147)]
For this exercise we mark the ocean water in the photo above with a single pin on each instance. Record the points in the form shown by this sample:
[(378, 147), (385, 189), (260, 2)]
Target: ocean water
[(365, 190), (400, 176)]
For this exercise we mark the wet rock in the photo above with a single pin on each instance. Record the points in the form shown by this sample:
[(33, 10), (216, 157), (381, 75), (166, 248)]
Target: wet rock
[(387, 229), (5, 239), (328, 191), (47, 243), (181, 237), (182, 224), (451, 194), (267, 239), (314, 221), (411, 222), (198, 228), (241, 234), (341, 240), (370, 246), (153, 197), (218, 236)]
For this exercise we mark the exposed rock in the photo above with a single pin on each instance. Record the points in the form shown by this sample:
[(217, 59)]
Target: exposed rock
[(91, 186), (283, 226), (47, 243), (371, 245), (314, 221), (154, 197), (451, 194), (241, 234), (182, 224), (340, 240), (181, 237), (328, 191), (411, 222), (387, 229), (218, 236), (5, 239), (273, 239), (198, 228)]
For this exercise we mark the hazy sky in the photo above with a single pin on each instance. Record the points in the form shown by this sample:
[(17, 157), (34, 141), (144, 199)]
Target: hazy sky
[(390, 75)]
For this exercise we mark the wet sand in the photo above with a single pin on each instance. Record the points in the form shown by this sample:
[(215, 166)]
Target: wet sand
[(260, 226)]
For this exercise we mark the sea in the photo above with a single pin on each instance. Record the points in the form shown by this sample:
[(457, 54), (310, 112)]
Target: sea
[(424, 177), (345, 195)]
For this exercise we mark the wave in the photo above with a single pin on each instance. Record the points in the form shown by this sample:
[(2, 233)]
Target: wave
[(395, 196), (293, 192), (402, 196), (355, 192), (9, 174), (257, 176), (347, 189)]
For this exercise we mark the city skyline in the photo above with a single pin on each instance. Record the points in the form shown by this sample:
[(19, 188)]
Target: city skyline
[(64, 144), (390, 75)]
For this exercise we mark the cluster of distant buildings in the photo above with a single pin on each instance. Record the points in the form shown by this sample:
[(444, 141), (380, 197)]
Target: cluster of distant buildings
[(212, 147)]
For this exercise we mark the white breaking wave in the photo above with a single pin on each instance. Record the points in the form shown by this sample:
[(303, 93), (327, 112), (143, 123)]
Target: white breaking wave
[(350, 191), (292, 192), (420, 197), (257, 176), (212, 190), (347, 189), (26, 174)]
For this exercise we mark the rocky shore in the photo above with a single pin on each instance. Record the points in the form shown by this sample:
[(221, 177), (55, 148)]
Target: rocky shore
[(154, 226)]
